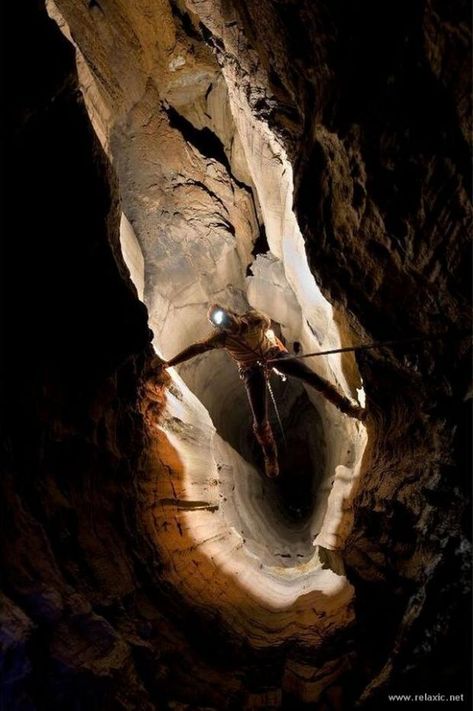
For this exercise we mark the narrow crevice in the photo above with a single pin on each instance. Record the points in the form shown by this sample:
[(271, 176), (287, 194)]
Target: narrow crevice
[(214, 42), (210, 146), (206, 142), (203, 139), (260, 246), (185, 21)]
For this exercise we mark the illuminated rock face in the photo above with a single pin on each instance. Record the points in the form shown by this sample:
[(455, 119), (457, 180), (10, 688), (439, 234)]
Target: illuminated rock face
[(148, 559), (248, 551)]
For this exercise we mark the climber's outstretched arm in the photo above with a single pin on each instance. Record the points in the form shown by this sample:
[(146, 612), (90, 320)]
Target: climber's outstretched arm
[(215, 341)]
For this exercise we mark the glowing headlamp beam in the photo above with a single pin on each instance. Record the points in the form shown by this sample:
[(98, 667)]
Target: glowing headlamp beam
[(218, 316)]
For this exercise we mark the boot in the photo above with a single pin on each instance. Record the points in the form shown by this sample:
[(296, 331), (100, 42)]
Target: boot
[(346, 406), (265, 438), (360, 413), (340, 401)]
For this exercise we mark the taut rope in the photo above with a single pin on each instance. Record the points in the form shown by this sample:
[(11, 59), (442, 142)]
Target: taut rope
[(382, 344)]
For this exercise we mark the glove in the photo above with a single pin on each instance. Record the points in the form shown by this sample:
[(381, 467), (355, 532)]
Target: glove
[(158, 364)]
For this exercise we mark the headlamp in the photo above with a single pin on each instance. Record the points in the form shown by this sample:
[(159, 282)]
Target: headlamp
[(218, 317)]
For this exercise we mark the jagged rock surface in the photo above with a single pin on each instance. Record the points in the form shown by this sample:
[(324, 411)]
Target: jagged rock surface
[(372, 112), (379, 143), (213, 516)]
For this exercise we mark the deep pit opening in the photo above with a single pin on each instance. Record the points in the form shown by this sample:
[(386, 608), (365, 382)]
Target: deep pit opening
[(301, 441), (300, 467), (301, 449), (291, 497), (297, 427)]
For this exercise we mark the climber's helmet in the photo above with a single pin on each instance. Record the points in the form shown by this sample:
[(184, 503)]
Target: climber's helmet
[(222, 318)]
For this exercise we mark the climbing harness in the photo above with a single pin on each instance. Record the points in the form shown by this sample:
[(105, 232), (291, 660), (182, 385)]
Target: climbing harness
[(262, 363)]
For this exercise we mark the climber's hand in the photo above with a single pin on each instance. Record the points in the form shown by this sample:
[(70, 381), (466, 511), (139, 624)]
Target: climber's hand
[(159, 365)]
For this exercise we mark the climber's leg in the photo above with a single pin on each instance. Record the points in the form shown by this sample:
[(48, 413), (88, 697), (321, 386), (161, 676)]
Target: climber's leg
[(298, 369), (264, 435), (255, 384)]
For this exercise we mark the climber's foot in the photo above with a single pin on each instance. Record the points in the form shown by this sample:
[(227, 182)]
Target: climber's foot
[(359, 413)]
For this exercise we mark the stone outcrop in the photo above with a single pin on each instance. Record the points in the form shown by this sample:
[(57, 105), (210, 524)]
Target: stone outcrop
[(309, 159)]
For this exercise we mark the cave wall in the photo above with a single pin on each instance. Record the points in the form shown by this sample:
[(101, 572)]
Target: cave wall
[(74, 345), (378, 132), (170, 129), (87, 620), (362, 97), (379, 154)]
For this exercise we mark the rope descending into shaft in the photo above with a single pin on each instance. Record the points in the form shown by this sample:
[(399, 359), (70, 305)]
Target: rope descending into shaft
[(276, 410), (381, 344)]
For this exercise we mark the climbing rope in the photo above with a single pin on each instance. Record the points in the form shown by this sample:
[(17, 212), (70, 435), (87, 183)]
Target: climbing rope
[(366, 346), (269, 364), (267, 372)]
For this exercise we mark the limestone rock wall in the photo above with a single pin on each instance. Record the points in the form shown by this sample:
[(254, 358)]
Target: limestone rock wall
[(75, 341), (379, 145), (178, 147), (343, 130)]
